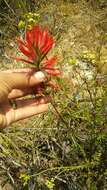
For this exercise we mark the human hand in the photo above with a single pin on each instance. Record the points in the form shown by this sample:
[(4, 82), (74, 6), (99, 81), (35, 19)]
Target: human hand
[(19, 83)]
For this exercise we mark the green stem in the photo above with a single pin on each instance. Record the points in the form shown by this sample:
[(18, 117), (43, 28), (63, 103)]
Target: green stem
[(60, 116), (65, 168)]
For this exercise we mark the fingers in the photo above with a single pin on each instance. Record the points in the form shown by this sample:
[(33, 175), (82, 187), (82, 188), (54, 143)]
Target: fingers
[(28, 108), (17, 93), (26, 112), (32, 101)]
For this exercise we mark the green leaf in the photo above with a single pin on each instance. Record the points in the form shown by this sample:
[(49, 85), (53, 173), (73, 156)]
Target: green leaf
[(21, 24)]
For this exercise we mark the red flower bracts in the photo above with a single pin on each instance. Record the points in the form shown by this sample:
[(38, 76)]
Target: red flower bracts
[(35, 47)]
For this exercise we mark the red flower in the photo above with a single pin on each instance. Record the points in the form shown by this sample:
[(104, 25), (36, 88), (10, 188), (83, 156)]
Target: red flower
[(36, 46), (49, 66)]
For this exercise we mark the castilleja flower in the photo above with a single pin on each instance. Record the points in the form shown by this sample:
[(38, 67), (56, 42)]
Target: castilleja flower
[(36, 46)]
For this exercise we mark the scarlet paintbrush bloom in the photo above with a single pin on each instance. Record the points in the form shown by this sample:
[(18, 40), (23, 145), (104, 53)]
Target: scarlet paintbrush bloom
[(35, 47)]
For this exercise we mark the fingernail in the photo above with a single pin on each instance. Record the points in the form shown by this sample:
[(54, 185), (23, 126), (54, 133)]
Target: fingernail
[(40, 76)]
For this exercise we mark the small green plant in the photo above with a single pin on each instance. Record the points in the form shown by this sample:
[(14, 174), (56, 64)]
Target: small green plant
[(25, 178), (50, 184), (29, 20)]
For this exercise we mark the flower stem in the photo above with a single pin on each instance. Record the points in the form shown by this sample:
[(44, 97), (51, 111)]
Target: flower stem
[(59, 115)]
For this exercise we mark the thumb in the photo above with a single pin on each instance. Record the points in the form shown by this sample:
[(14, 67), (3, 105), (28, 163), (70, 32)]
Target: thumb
[(9, 81)]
